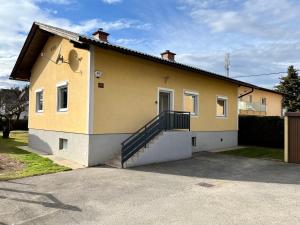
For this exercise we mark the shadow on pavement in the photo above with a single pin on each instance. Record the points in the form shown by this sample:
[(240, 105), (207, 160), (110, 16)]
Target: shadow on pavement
[(53, 203), (219, 166)]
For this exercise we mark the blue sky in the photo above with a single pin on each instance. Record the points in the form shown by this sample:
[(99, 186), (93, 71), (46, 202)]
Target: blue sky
[(261, 36)]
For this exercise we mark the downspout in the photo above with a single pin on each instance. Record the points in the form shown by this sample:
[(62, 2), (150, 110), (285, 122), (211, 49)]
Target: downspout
[(252, 89)]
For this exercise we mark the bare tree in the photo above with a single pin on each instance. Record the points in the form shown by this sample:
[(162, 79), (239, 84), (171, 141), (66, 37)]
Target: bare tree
[(12, 103)]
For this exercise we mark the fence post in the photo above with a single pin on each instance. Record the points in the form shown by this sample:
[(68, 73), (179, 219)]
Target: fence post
[(286, 138), (189, 121)]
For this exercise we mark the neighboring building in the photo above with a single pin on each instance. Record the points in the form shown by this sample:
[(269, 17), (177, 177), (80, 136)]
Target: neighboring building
[(260, 102), (87, 96), (24, 114)]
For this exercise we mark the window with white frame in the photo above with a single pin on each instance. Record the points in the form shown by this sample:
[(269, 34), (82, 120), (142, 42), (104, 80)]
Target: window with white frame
[(190, 102), (62, 97), (264, 101), (39, 100), (221, 106)]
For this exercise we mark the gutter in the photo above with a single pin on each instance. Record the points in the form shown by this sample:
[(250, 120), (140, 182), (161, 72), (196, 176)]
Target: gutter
[(252, 89)]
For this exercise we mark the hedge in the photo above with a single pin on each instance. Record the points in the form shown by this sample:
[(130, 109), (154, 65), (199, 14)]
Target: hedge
[(267, 131), (19, 125)]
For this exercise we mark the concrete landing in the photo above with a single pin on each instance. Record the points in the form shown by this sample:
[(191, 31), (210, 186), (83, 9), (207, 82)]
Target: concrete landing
[(56, 159)]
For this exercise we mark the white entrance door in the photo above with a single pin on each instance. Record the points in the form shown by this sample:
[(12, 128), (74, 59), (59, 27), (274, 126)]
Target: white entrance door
[(165, 100)]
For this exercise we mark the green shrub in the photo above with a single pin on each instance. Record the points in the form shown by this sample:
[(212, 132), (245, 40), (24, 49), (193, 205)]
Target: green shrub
[(265, 131)]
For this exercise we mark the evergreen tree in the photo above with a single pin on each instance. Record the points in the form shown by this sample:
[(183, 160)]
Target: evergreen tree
[(290, 87)]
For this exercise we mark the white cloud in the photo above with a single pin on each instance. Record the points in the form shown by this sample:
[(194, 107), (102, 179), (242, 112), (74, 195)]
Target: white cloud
[(255, 17), (129, 42), (111, 1), (261, 36), (14, 29), (59, 2), (248, 60)]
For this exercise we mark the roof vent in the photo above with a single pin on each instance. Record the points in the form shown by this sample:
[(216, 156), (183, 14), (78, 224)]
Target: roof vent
[(168, 55), (101, 35)]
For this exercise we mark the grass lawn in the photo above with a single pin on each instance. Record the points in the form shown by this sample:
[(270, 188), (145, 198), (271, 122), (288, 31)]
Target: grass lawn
[(257, 152), (17, 163)]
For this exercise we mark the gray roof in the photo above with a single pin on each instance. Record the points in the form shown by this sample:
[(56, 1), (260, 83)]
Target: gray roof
[(40, 32)]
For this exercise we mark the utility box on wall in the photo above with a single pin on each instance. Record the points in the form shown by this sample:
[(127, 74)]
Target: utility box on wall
[(292, 137)]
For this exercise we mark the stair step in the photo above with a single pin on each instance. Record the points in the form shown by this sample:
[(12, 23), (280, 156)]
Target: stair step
[(116, 159)]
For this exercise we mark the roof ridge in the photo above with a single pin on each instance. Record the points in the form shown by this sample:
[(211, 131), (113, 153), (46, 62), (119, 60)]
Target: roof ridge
[(91, 40)]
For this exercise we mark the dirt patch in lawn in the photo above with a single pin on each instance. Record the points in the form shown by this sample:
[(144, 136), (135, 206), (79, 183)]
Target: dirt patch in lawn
[(8, 164)]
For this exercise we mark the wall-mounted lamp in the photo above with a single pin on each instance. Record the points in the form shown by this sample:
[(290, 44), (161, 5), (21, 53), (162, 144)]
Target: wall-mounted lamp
[(98, 74)]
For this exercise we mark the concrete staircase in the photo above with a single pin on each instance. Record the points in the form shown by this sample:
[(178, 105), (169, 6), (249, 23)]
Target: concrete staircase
[(167, 146), (116, 160)]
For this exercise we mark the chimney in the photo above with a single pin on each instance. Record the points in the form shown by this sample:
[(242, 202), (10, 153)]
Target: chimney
[(168, 55), (101, 35)]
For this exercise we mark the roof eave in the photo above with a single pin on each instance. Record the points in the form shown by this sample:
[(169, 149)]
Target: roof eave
[(162, 61), (15, 74), (23, 51), (81, 39)]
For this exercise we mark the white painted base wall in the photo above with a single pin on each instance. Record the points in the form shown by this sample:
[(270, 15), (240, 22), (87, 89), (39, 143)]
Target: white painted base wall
[(210, 141), (104, 147), (168, 146), (90, 150), (48, 141)]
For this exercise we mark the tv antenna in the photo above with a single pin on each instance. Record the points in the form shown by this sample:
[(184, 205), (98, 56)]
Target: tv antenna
[(227, 64)]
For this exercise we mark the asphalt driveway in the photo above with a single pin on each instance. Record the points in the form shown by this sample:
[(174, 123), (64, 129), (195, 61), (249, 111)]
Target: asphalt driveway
[(207, 189)]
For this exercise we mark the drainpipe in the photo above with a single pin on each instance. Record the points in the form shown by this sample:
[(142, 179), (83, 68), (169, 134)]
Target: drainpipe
[(252, 89)]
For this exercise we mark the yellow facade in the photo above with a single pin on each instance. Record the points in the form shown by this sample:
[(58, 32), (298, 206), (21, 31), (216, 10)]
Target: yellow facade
[(273, 101), (47, 74), (129, 97)]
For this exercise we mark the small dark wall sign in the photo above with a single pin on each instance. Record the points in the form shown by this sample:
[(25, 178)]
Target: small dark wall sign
[(100, 85)]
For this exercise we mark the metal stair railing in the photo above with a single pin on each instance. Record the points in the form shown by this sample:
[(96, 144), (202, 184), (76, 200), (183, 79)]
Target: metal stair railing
[(167, 120)]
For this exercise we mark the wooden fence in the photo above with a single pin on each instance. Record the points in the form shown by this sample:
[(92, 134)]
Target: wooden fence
[(292, 137)]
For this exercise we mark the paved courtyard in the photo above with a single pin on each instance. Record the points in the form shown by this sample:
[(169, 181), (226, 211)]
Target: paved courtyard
[(207, 189)]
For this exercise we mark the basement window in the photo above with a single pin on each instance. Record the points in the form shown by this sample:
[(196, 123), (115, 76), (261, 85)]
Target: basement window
[(194, 141), (63, 144)]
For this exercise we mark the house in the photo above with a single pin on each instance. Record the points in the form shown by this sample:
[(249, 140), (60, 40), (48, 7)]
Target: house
[(260, 102), (94, 102)]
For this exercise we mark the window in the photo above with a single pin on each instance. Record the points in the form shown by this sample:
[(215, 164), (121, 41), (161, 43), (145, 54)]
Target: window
[(264, 101), (62, 97), (194, 141), (63, 144), (191, 102), (39, 101), (221, 106)]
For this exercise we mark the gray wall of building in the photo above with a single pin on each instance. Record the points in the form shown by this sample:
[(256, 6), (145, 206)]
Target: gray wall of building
[(169, 146), (104, 147), (90, 150), (48, 141), (214, 140)]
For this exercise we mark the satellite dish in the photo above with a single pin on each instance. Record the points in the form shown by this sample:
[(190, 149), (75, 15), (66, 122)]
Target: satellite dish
[(73, 60)]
